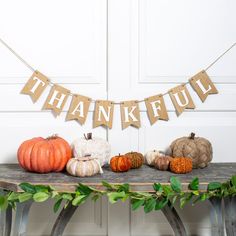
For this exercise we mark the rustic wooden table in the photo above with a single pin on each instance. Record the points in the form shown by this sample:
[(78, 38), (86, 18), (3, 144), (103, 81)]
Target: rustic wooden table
[(11, 175)]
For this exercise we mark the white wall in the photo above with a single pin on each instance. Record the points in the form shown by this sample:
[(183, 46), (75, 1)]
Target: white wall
[(152, 46)]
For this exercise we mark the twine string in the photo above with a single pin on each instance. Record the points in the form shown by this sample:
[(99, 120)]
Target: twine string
[(116, 103)]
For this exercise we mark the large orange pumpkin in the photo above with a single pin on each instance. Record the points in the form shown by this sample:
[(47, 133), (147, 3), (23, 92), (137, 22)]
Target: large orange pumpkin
[(120, 163), (44, 155), (181, 165)]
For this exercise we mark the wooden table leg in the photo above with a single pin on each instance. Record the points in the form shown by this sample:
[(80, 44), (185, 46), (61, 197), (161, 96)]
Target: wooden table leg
[(175, 221), (217, 222), (5, 220), (63, 219), (230, 216), (21, 219)]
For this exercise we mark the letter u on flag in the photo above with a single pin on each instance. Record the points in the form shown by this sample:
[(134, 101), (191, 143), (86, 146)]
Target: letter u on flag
[(130, 114), (35, 85), (181, 99), (103, 113)]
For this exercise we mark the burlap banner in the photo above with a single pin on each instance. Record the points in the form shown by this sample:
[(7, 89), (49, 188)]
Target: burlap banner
[(129, 110)]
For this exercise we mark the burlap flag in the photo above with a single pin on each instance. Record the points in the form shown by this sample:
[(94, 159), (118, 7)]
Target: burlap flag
[(181, 99), (130, 114), (156, 108), (35, 85), (103, 113), (79, 108), (56, 99), (203, 85)]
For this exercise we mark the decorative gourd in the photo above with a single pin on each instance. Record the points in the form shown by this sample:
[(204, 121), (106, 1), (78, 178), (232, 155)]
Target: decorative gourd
[(136, 159), (120, 163), (199, 149), (181, 165), (162, 163), (150, 156), (96, 147), (83, 166), (44, 155)]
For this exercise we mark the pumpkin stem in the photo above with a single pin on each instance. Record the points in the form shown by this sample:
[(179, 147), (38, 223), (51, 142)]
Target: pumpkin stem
[(54, 136), (88, 136), (192, 135)]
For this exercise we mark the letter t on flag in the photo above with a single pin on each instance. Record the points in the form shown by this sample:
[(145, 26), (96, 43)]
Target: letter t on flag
[(35, 85), (130, 114)]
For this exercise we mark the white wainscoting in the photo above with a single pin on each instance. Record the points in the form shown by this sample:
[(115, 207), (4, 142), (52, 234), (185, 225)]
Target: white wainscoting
[(119, 50)]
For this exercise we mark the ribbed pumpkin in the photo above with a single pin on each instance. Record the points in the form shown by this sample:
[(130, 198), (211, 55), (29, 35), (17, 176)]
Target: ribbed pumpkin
[(162, 163), (197, 148), (83, 166), (181, 165), (136, 159), (44, 155), (150, 156), (120, 163)]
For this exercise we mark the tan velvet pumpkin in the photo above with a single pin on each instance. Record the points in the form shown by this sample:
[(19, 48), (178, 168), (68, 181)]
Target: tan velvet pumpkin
[(162, 163), (197, 148), (136, 159), (83, 166)]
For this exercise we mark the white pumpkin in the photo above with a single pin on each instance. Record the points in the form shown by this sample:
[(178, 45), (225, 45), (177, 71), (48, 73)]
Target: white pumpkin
[(151, 155), (82, 167), (96, 147)]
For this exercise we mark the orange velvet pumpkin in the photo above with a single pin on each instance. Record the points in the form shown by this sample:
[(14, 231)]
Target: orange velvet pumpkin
[(44, 155), (120, 163), (181, 165)]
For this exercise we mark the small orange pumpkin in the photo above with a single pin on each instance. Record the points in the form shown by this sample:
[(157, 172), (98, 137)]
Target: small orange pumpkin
[(120, 163), (181, 165), (136, 159), (44, 155)]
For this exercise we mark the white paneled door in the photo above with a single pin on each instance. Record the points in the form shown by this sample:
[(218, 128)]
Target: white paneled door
[(120, 50)]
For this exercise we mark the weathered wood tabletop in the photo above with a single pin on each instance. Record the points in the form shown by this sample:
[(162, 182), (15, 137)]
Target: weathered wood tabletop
[(11, 175)]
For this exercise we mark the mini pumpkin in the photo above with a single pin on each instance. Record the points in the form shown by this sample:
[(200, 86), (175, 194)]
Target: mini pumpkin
[(96, 147), (136, 159), (181, 165), (83, 166), (197, 148), (162, 163), (120, 163), (150, 156), (44, 155)]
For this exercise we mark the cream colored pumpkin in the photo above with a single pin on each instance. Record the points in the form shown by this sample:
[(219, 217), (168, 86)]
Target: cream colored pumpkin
[(83, 167), (150, 156), (96, 147)]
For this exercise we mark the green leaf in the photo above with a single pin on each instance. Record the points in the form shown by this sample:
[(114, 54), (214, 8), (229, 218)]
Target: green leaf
[(123, 187), (40, 197), (194, 185), (214, 186), (107, 185), (23, 197), (167, 190), (149, 205), (13, 196), (175, 184), (79, 200), (29, 188), (83, 189), (233, 180), (67, 196), (161, 203), (42, 188), (204, 197), (54, 194), (137, 204), (95, 197), (57, 205), (157, 187), (115, 196), (3, 202)]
